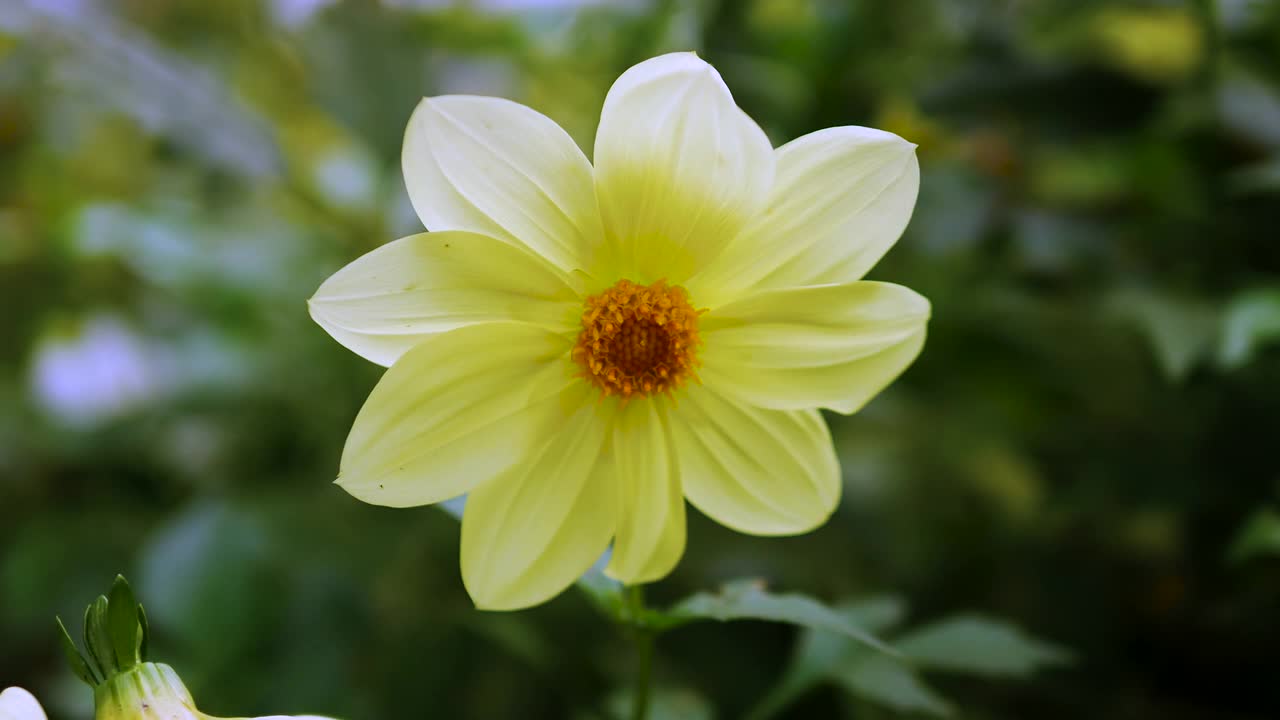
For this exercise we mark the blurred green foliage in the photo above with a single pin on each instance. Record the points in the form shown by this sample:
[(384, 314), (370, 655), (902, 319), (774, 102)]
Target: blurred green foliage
[(1092, 422)]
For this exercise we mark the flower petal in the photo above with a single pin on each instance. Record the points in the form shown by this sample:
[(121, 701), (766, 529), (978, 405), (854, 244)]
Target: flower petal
[(530, 532), (762, 472), (18, 704), (679, 168), (651, 520), (388, 300), (832, 346), (842, 198), (499, 168), (460, 408)]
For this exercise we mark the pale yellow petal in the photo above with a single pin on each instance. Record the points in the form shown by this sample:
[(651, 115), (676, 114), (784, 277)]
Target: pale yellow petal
[(832, 346), (680, 170), (497, 167), (460, 408), (758, 471), (842, 198), (18, 704), (530, 532), (390, 299), (651, 521)]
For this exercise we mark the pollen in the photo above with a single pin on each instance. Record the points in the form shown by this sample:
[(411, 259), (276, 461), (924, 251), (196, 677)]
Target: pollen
[(638, 340)]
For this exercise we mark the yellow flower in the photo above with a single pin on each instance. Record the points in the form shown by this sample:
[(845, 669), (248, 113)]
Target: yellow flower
[(581, 348), (18, 704)]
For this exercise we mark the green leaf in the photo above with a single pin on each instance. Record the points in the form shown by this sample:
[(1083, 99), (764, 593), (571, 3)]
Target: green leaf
[(1260, 536), (193, 571), (819, 653), (748, 600), (886, 681), (74, 658), (1251, 319), (1181, 331), (97, 637), (979, 645), (1259, 177), (878, 614), (604, 592), (122, 616)]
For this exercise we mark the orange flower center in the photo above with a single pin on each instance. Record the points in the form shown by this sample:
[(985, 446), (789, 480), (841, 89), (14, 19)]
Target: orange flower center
[(638, 340)]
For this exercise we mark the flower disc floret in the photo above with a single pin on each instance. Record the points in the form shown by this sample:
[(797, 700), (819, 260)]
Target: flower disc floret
[(638, 340)]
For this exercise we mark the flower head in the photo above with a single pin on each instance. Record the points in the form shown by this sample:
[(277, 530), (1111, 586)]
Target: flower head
[(580, 348)]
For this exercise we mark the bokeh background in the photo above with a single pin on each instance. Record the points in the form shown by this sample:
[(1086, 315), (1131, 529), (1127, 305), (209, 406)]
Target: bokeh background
[(1086, 449)]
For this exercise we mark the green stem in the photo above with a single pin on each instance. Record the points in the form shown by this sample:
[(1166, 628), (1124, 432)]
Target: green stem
[(644, 652)]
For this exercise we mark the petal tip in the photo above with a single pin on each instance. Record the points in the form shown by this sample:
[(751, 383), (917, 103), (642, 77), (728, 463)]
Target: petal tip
[(490, 600)]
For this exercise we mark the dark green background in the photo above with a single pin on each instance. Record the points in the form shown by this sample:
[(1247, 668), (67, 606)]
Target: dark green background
[(1093, 420)]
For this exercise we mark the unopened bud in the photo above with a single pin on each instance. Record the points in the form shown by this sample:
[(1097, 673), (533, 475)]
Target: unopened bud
[(125, 685)]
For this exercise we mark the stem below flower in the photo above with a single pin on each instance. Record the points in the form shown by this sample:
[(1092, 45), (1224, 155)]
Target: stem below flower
[(644, 652)]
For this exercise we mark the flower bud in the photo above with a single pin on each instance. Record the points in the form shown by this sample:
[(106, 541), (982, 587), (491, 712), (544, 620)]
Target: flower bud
[(125, 685), (153, 691), (149, 691)]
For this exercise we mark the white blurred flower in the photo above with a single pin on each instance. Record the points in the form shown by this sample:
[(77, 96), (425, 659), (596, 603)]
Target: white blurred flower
[(18, 704), (100, 371)]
